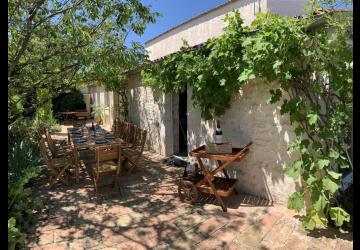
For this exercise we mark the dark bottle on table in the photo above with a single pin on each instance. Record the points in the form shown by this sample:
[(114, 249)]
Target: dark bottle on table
[(218, 133), (92, 126)]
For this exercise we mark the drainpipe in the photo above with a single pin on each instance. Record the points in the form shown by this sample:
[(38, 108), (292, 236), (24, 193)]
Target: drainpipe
[(254, 8), (259, 6)]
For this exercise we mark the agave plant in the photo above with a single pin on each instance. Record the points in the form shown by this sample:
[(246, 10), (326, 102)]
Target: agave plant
[(98, 112)]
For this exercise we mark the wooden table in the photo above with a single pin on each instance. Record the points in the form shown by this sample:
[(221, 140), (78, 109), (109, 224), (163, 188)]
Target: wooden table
[(89, 144), (219, 186), (66, 114)]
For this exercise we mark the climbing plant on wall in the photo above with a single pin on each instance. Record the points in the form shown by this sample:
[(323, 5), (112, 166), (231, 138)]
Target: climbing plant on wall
[(311, 58)]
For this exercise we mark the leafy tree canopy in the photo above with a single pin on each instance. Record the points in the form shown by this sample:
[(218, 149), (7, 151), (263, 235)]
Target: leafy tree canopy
[(58, 44)]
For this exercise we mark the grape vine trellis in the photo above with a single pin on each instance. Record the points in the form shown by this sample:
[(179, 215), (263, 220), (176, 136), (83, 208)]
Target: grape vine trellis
[(314, 69)]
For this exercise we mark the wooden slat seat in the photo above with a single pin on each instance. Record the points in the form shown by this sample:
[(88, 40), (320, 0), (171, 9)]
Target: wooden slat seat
[(106, 167)]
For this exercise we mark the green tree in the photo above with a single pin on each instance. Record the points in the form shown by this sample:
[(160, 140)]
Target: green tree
[(60, 44)]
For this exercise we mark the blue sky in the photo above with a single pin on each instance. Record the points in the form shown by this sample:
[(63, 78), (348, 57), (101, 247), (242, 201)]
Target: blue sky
[(174, 12)]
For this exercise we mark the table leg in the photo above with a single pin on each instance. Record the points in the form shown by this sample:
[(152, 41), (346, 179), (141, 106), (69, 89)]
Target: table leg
[(207, 176), (77, 163)]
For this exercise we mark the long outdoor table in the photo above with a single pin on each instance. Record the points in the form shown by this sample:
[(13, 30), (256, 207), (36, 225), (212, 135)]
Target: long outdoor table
[(91, 145)]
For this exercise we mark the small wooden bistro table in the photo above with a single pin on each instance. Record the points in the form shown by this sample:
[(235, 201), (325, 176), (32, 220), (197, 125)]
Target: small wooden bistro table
[(219, 186), (66, 114)]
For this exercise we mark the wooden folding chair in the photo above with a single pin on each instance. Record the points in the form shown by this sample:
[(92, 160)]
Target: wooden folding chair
[(107, 162), (56, 165), (133, 154), (57, 150)]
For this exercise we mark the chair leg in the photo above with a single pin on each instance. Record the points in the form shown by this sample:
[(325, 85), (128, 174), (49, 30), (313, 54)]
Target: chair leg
[(96, 189), (63, 173), (133, 164), (51, 181)]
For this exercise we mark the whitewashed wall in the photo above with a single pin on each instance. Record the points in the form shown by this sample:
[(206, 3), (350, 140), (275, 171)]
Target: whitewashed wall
[(211, 24), (202, 28), (287, 7), (106, 98), (250, 118)]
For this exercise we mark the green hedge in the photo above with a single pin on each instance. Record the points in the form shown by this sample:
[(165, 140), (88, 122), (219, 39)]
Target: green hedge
[(69, 102)]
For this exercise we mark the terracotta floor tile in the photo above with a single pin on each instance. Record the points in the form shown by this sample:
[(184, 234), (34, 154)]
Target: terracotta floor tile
[(149, 215)]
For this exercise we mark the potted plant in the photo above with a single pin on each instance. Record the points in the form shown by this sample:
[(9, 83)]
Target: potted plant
[(98, 113)]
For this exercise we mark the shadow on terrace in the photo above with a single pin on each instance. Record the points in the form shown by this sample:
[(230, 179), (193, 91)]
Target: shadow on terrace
[(148, 214)]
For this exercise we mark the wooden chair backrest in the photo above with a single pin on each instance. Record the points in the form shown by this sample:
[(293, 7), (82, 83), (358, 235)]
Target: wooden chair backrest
[(43, 130), (131, 136), (114, 127), (51, 144), (121, 127), (107, 153), (44, 151), (125, 131)]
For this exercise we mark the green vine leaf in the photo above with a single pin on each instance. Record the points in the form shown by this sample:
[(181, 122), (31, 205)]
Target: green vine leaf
[(222, 82), (299, 131), (339, 215), (275, 96), (330, 185), (293, 170), (310, 179), (319, 201), (308, 222), (312, 118), (323, 163), (334, 174), (313, 219), (334, 153), (296, 201)]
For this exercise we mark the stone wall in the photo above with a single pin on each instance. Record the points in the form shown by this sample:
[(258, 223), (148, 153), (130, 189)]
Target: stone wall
[(250, 118), (151, 110)]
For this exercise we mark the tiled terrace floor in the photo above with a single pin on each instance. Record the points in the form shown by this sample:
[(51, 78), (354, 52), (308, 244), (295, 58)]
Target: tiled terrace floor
[(149, 215)]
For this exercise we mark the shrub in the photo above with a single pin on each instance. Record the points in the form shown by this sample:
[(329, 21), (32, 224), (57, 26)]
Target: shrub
[(21, 157), (15, 237), (21, 205), (44, 115), (23, 167), (69, 102), (19, 130)]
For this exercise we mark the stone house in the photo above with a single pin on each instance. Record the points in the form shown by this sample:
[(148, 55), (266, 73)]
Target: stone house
[(174, 126)]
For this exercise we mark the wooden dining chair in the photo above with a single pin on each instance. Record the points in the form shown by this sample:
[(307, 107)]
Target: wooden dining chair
[(56, 165), (107, 162), (58, 150), (132, 154)]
